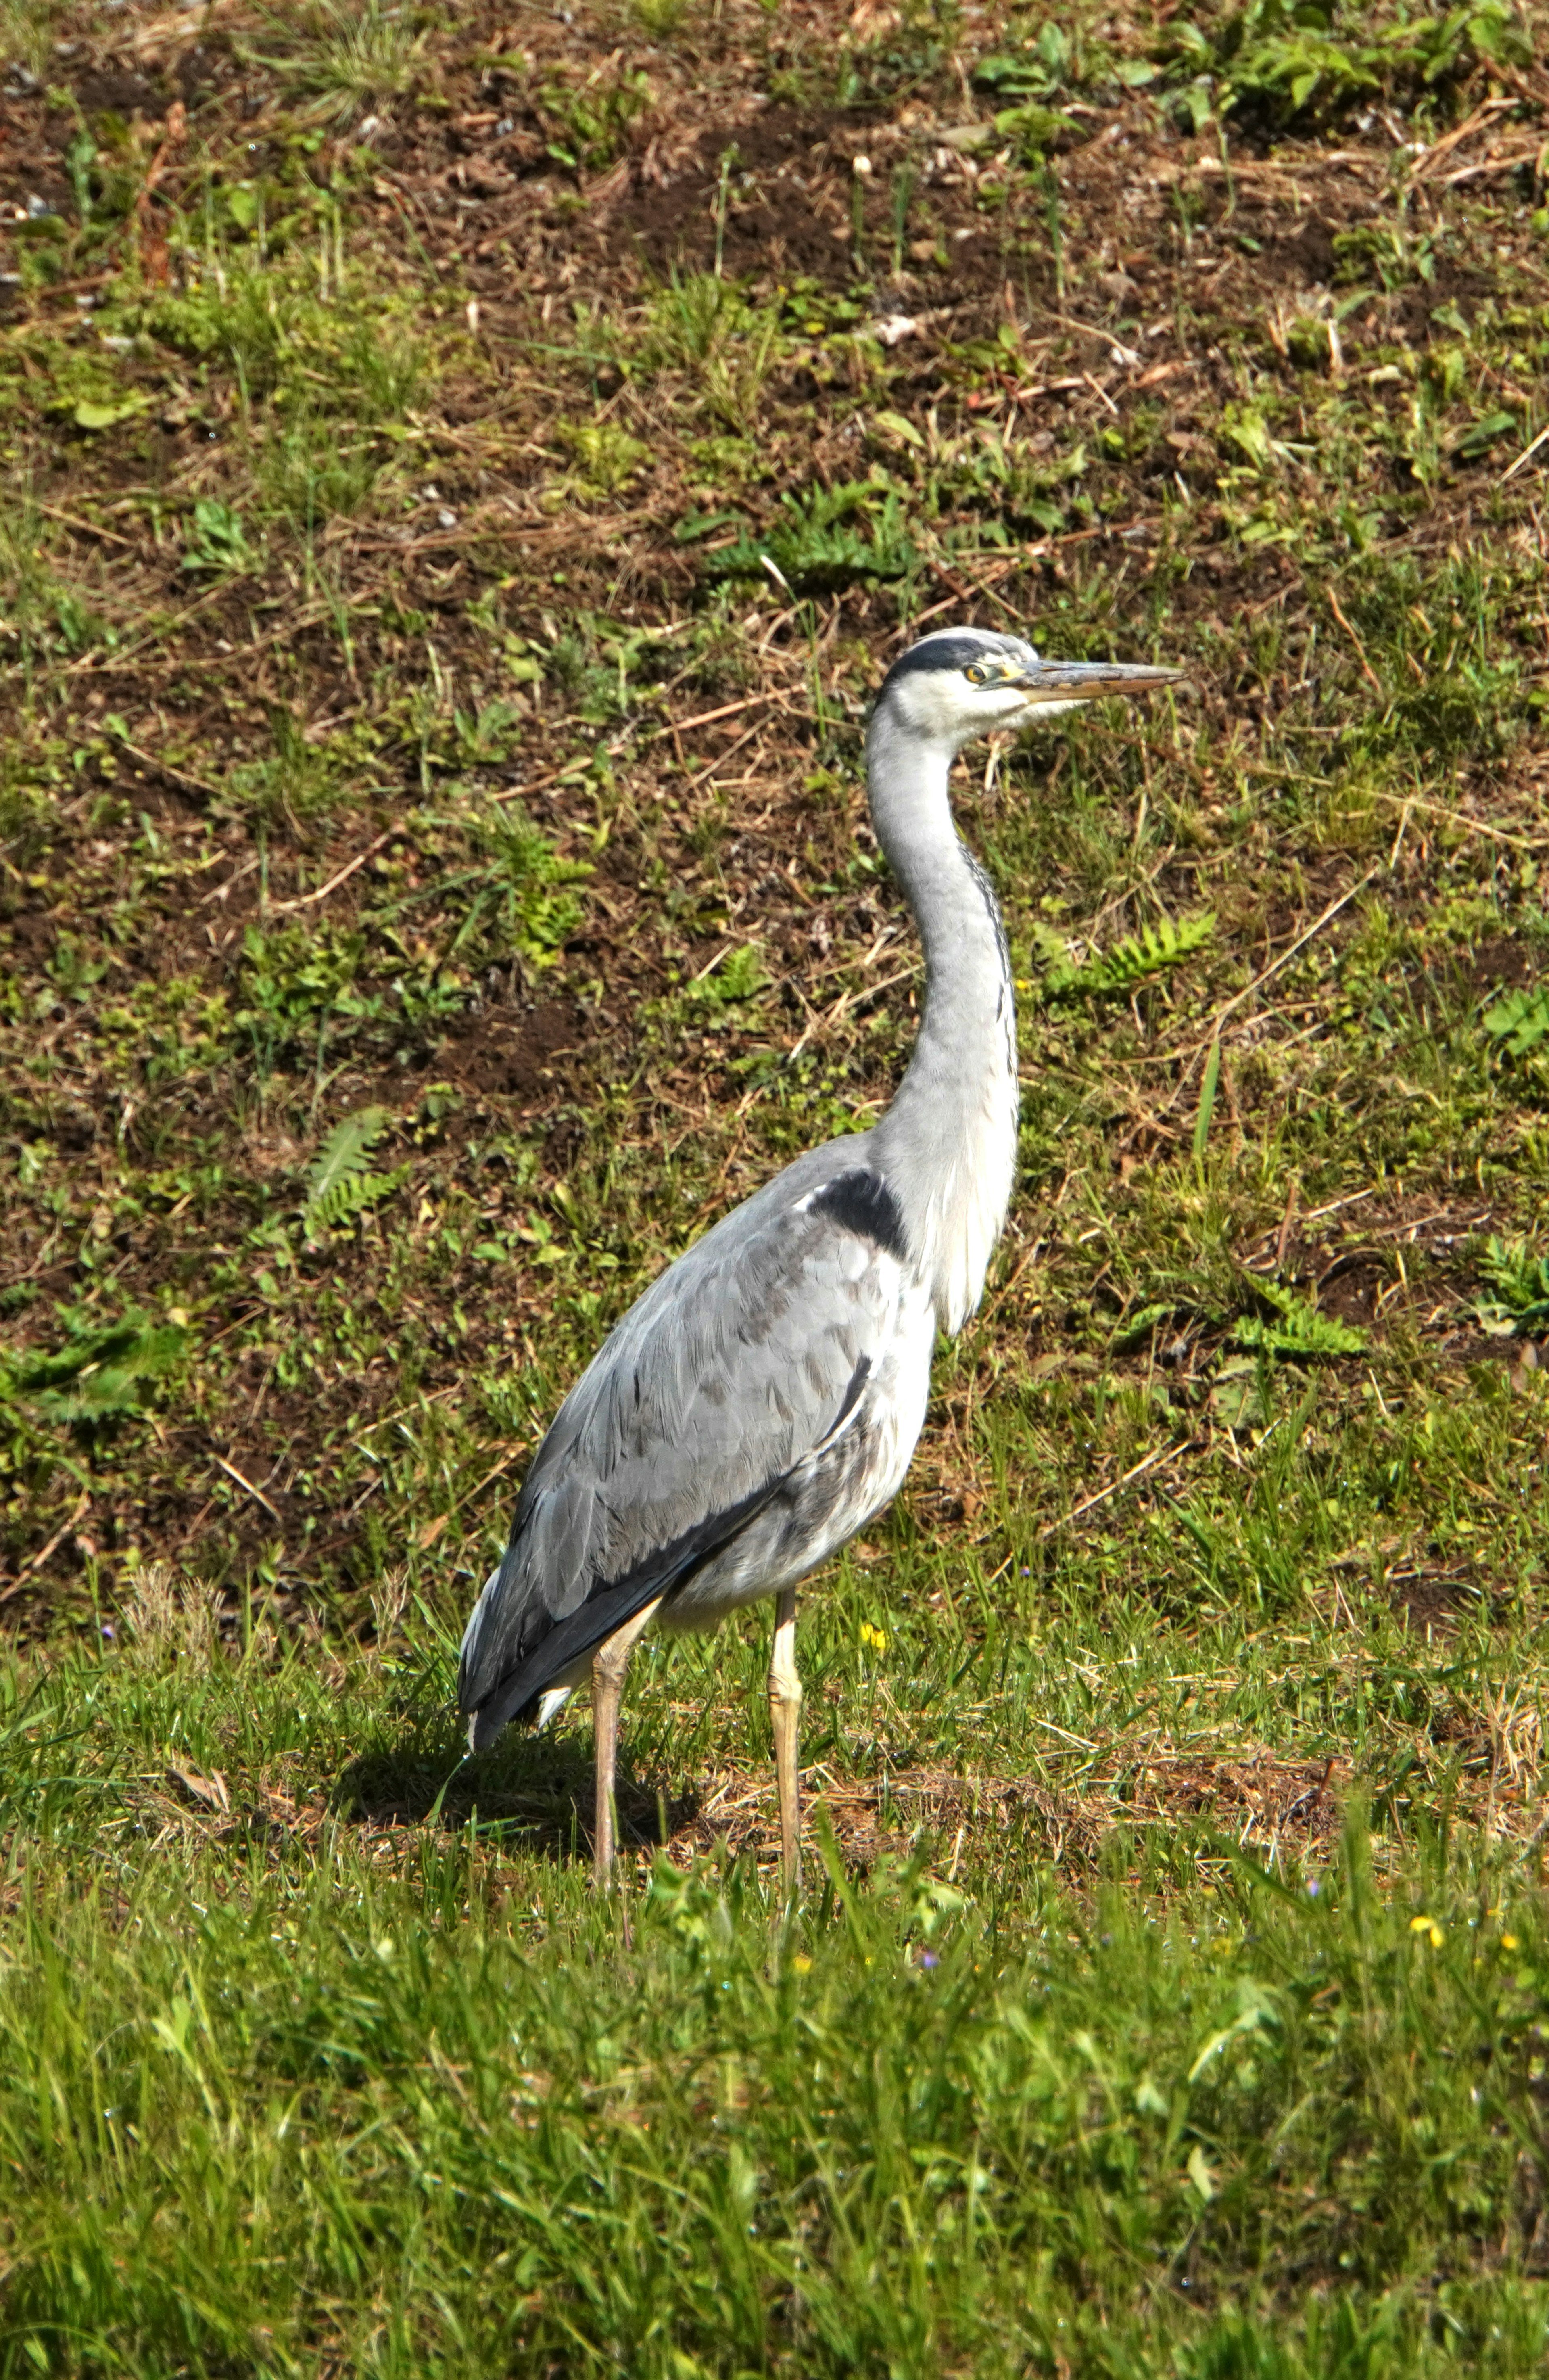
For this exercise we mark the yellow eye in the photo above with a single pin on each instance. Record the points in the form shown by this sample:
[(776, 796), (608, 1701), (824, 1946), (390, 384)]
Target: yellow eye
[(977, 674)]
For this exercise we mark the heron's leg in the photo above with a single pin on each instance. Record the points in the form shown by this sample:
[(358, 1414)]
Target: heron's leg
[(785, 1717), (609, 1664)]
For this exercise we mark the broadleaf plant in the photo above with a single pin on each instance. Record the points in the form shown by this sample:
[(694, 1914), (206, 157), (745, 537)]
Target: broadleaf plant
[(824, 539), (1520, 1279), (1521, 1021), (101, 1371)]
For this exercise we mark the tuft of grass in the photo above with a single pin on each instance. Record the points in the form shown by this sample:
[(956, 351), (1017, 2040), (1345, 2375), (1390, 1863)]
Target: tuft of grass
[(346, 56), (704, 328), (662, 19)]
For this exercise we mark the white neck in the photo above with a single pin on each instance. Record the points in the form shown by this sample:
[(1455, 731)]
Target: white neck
[(948, 1141)]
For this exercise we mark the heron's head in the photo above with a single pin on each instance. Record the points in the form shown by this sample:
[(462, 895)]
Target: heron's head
[(960, 683)]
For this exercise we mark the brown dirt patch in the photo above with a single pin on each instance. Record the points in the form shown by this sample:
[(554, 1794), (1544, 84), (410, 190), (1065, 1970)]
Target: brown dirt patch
[(512, 1057), (1431, 1599), (1350, 1289), (1502, 963), (1265, 1803)]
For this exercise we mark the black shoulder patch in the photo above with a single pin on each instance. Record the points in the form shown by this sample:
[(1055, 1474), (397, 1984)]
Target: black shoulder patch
[(862, 1202)]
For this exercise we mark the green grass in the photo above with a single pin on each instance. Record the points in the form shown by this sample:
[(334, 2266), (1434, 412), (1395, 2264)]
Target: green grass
[(287, 2087), (434, 882)]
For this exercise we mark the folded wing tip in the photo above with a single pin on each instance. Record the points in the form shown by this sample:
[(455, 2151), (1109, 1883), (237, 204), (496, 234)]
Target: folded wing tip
[(484, 1724)]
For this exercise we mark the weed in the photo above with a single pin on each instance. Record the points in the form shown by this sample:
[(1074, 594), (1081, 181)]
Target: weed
[(662, 19), (1037, 132), (912, 45), (219, 541), (607, 458), (588, 120), (1296, 1327), (293, 782), (901, 188), (1520, 1281), (310, 474), (531, 907), (1520, 1022), (982, 472), (297, 985), (1052, 60), (27, 32), (102, 1371), (825, 538), (1282, 61), (485, 737)]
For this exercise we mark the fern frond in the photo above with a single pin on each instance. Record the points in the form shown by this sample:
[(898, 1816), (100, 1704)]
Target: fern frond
[(340, 1183), (344, 1152), (1151, 951), (343, 1200), (100, 1372), (738, 976)]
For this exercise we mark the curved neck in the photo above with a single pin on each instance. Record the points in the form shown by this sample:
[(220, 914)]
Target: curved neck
[(948, 1141)]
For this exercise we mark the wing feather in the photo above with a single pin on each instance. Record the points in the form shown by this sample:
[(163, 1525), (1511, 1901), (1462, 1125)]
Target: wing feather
[(737, 1365)]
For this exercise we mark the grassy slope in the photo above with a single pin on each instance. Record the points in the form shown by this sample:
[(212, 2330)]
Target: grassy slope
[(387, 521)]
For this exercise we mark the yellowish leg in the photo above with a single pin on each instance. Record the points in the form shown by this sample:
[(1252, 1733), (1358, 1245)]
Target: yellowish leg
[(609, 1664), (608, 1670), (785, 1717)]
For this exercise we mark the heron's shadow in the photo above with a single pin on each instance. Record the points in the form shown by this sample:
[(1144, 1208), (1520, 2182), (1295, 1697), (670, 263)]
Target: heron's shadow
[(533, 1791)]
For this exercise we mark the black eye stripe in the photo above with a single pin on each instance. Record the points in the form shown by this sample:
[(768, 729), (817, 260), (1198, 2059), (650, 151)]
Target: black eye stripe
[(938, 654)]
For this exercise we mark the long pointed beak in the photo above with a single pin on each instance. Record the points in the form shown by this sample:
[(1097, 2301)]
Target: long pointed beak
[(1091, 681)]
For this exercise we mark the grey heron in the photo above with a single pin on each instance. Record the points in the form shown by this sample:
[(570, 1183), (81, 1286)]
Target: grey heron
[(762, 1402)]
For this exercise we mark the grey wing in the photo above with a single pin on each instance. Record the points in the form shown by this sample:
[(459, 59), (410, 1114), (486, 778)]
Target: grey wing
[(736, 1366)]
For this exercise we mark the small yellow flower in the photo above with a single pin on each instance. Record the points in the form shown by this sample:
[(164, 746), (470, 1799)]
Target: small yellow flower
[(1424, 1925), (876, 1638), (800, 1965), (1509, 1942)]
